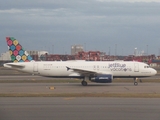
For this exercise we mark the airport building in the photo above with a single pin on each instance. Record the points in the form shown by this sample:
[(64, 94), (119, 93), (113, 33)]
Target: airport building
[(77, 53), (75, 49), (5, 56)]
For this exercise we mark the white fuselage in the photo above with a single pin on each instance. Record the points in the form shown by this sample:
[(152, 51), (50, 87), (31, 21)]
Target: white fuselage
[(117, 69)]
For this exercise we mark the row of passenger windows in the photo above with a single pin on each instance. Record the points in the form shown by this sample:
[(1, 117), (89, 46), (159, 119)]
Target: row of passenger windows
[(95, 67)]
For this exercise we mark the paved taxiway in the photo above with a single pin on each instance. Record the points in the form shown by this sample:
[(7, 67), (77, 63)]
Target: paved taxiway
[(152, 88), (73, 88), (71, 108), (79, 108)]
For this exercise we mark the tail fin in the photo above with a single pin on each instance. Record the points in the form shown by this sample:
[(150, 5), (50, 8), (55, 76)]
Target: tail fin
[(17, 53)]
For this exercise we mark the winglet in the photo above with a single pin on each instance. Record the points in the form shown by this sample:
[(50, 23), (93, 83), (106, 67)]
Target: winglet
[(17, 53)]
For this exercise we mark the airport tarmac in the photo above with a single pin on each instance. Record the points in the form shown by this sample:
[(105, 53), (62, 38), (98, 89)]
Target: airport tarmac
[(73, 89), (35, 77), (76, 89), (72, 108), (70, 101)]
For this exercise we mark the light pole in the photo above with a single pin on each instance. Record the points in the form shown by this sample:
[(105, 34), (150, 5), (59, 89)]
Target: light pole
[(52, 49), (147, 49), (115, 49)]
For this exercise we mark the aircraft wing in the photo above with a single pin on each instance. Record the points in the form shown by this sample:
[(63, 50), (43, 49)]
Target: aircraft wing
[(88, 72)]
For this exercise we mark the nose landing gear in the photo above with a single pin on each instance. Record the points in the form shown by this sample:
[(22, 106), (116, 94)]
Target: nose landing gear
[(135, 81)]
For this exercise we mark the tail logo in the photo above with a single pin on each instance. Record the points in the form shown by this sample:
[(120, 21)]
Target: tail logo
[(16, 51)]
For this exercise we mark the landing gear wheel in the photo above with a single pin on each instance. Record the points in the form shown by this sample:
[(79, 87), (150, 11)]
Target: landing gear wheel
[(84, 83), (135, 83)]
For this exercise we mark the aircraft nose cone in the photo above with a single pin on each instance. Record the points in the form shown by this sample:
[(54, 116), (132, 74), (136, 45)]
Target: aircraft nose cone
[(154, 71)]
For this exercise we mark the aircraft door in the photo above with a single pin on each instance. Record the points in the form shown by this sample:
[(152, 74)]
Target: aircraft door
[(136, 67), (35, 67)]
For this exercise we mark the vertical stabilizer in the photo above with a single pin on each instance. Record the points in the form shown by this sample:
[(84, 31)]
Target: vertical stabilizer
[(17, 53)]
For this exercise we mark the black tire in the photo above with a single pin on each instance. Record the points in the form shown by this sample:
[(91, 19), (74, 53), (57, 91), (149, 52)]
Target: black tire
[(135, 83), (84, 83)]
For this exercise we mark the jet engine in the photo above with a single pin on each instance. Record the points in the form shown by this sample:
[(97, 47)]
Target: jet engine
[(102, 78)]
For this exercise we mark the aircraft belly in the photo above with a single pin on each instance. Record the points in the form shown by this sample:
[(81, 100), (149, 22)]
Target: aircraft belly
[(127, 74)]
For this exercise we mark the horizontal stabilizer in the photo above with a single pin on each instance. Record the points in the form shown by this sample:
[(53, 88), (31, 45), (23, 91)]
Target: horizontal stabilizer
[(12, 65)]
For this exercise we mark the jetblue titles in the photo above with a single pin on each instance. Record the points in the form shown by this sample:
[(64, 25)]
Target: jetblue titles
[(118, 67)]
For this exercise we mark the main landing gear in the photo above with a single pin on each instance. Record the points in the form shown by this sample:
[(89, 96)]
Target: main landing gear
[(84, 83), (135, 81)]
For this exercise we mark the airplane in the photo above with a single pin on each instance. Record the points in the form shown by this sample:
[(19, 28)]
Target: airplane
[(95, 71)]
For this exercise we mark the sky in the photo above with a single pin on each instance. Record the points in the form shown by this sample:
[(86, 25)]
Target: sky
[(115, 26)]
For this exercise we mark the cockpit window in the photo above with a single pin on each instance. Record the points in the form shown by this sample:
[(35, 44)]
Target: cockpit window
[(146, 67)]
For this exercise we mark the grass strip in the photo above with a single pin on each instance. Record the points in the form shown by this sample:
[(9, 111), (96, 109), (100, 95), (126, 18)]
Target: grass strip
[(119, 95)]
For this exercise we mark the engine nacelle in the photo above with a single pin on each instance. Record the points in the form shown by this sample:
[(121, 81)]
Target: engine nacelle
[(102, 79)]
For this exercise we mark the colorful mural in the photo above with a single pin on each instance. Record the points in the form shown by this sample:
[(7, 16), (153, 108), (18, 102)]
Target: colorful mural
[(18, 54)]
